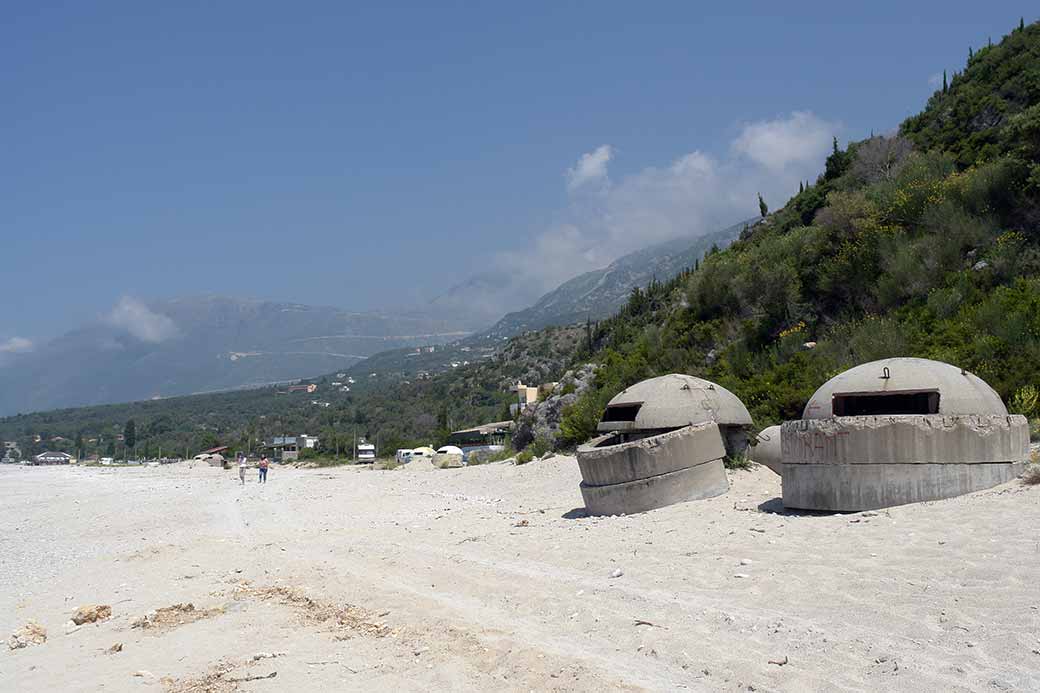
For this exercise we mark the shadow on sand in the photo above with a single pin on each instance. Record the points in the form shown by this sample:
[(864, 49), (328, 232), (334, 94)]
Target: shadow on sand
[(775, 506), (575, 514)]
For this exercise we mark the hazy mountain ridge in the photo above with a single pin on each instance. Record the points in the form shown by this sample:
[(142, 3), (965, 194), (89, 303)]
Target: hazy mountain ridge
[(202, 344), (600, 293)]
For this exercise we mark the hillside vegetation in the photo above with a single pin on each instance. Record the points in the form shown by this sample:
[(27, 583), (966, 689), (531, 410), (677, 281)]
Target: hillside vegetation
[(387, 409), (923, 244)]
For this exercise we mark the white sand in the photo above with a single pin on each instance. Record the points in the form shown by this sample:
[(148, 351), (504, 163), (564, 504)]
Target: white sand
[(452, 594)]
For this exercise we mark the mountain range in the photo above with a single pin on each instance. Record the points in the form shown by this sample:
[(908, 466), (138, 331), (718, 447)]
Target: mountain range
[(202, 344), (189, 345)]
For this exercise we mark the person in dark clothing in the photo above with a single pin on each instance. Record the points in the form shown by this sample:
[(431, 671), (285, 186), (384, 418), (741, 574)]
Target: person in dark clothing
[(262, 466)]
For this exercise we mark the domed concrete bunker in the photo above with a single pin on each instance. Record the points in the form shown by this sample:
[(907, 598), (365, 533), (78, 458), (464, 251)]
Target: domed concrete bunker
[(896, 431), (665, 441)]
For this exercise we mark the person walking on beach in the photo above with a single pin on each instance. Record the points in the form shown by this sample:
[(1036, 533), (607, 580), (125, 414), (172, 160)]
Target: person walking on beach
[(263, 470), (242, 468)]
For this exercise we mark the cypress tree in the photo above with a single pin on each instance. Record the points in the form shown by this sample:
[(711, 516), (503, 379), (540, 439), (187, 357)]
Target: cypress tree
[(945, 85), (1021, 23), (130, 434), (801, 188), (762, 203), (970, 54)]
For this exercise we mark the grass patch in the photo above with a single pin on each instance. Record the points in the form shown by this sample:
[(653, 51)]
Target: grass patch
[(741, 461)]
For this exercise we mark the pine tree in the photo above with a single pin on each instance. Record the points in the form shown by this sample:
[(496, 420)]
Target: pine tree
[(762, 208)]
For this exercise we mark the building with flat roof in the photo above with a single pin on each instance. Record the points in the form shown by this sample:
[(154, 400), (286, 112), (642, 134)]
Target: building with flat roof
[(48, 458)]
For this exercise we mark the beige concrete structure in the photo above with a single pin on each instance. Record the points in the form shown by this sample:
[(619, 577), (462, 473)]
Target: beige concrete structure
[(899, 431), (767, 450), (605, 460), (448, 456), (671, 401), (665, 442), (692, 483)]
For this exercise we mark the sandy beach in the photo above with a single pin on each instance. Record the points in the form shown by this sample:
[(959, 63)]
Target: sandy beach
[(491, 578)]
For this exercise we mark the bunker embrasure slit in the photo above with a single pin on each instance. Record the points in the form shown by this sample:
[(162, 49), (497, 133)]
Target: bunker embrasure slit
[(882, 403)]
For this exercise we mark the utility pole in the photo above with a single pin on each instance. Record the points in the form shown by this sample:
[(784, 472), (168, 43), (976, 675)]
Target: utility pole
[(355, 443)]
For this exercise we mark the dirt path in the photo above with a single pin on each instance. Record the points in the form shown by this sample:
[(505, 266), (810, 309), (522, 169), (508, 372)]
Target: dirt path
[(486, 578)]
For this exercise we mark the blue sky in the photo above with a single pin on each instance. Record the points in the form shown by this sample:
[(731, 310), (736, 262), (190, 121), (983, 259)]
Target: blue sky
[(369, 156)]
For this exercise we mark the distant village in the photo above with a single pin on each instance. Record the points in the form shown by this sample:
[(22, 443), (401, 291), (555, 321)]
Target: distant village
[(462, 446)]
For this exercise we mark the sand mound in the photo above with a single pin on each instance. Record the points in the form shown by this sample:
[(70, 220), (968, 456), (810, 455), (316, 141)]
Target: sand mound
[(420, 465)]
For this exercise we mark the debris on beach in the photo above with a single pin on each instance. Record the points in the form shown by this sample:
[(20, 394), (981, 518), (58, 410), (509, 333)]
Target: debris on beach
[(347, 617), (118, 647), (32, 633), (91, 613), (170, 617)]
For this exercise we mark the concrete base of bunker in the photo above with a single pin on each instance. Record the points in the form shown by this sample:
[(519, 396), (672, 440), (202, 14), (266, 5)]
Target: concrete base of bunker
[(607, 460), (704, 480), (855, 487), (653, 471), (867, 462)]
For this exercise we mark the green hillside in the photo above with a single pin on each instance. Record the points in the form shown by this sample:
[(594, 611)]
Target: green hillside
[(920, 244)]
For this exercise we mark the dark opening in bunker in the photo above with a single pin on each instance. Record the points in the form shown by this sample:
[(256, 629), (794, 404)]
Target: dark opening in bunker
[(875, 403), (622, 412)]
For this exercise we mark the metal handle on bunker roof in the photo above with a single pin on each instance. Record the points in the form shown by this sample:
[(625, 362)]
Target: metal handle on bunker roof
[(885, 374)]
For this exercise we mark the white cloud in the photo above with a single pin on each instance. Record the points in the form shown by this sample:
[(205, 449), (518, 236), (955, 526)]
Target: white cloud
[(693, 195), (591, 168), (140, 321), (778, 144), (15, 345)]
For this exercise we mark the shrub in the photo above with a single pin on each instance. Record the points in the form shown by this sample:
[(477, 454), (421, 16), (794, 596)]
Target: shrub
[(741, 461), (578, 421), (524, 457), (540, 446), (1032, 475), (1025, 401)]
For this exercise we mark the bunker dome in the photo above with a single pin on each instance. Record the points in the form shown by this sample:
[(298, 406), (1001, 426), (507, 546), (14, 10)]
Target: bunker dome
[(665, 440), (904, 386), (669, 402), (899, 430)]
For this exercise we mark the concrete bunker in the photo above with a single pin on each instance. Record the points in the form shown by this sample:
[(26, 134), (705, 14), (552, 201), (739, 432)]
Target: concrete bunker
[(664, 442), (896, 431)]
